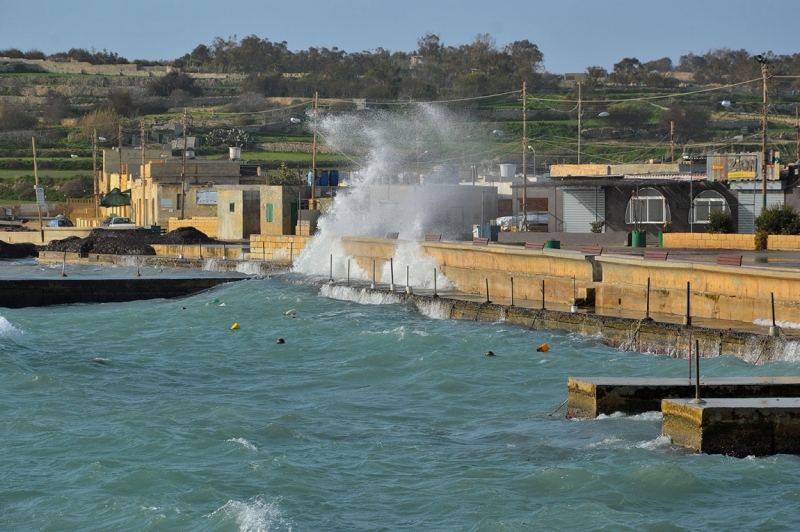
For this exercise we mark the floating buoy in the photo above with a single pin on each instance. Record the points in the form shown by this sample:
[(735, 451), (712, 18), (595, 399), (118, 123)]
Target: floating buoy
[(235, 326), (291, 313), (489, 353), (544, 348), (215, 301), (280, 341)]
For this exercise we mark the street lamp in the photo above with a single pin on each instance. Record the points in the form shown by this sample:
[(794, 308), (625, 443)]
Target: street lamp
[(764, 76)]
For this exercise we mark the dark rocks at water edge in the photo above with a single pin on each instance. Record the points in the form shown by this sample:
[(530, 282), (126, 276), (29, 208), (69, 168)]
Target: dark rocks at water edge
[(128, 242), (18, 251)]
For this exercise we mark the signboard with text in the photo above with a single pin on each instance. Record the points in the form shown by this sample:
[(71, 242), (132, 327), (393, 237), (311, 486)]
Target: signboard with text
[(737, 166)]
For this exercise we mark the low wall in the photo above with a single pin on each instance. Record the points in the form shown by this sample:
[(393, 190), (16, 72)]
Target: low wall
[(709, 241), (272, 247), (469, 267), (722, 292), (204, 224), (783, 242), (50, 233), (203, 251)]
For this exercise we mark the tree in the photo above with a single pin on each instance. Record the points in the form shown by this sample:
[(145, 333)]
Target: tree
[(286, 176), (691, 121), (56, 107), (662, 65), (12, 118), (122, 103), (164, 85), (629, 115), (629, 71), (595, 75), (82, 187)]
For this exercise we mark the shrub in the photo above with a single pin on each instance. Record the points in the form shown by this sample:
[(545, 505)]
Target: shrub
[(761, 240), (12, 118), (720, 222), (779, 220)]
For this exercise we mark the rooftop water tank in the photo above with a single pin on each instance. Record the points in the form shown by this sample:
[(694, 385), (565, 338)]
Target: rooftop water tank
[(235, 153), (508, 170)]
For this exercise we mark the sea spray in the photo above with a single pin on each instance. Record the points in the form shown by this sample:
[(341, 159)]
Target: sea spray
[(398, 147)]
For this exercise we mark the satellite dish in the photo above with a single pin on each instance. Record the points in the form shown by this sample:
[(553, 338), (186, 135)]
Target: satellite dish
[(726, 103), (603, 114), (294, 120)]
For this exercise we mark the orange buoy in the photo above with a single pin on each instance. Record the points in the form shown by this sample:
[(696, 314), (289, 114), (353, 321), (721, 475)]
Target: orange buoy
[(544, 348)]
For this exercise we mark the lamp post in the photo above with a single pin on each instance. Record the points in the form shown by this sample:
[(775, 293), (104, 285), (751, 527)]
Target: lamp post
[(764, 76)]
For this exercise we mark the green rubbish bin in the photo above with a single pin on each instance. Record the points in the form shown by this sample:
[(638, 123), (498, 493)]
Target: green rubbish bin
[(553, 244), (660, 238), (639, 239)]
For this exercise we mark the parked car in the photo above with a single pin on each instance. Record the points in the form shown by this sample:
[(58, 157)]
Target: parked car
[(118, 222), (60, 222)]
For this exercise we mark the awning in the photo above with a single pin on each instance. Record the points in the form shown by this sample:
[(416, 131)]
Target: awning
[(115, 198)]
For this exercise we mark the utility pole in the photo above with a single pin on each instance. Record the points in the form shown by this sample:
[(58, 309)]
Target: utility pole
[(579, 122), (312, 205), (672, 140), (142, 215), (182, 195), (95, 180), (765, 154), (797, 134), (524, 225), (119, 154), (36, 178)]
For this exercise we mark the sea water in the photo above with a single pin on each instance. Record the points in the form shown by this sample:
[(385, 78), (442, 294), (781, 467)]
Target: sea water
[(373, 415)]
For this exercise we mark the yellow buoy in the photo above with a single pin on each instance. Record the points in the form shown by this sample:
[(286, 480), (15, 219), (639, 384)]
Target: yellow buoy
[(235, 326), (544, 348)]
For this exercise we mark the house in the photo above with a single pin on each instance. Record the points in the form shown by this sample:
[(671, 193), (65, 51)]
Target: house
[(245, 210)]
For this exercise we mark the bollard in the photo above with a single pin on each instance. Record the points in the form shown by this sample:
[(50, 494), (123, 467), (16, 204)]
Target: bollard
[(574, 308), (687, 320), (391, 274), (697, 400), (773, 331), (543, 294), (487, 291), (201, 251), (373, 275), (512, 292)]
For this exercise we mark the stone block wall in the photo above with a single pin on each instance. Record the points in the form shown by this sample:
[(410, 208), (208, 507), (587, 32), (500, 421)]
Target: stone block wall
[(205, 224)]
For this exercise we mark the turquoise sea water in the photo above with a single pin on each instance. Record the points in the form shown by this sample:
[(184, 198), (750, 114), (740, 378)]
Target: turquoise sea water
[(369, 417)]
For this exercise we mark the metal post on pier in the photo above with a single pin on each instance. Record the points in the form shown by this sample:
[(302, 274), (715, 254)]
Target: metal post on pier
[(647, 301), (348, 272), (773, 330), (543, 294), (487, 292), (373, 275), (391, 274), (697, 400), (330, 277), (434, 283), (687, 320), (408, 286), (512, 292), (64, 265)]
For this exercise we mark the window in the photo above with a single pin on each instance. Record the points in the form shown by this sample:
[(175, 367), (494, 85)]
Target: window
[(647, 207), (269, 212), (707, 202), (232, 207)]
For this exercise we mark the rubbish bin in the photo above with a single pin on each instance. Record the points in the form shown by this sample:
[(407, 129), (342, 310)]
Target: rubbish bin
[(660, 238), (639, 239), (553, 244)]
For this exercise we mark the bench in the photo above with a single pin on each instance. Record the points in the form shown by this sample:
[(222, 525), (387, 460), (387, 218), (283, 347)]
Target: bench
[(392, 236), (729, 260), (592, 250), (480, 241), (433, 237), (538, 246), (655, 255)]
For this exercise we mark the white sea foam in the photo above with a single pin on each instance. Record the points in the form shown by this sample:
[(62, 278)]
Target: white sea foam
[(9, 331), (604, 444), (249, 267), (647, 416), (362, 296), (434, 308), (658, 443), (244, 443), (254, 516), (781, 324)]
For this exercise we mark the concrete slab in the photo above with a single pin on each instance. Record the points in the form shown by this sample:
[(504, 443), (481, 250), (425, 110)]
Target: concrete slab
[(592, 396), (737, 427)]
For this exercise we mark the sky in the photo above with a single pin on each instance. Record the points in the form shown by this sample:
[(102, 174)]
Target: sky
[(572, 34)]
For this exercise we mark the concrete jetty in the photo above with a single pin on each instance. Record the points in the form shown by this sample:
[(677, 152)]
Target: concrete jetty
[(592, 396), (44, 292), (737, 427)]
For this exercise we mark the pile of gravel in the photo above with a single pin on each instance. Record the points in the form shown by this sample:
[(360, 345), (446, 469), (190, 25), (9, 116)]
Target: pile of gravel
[(18, 251), (127, 242)]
